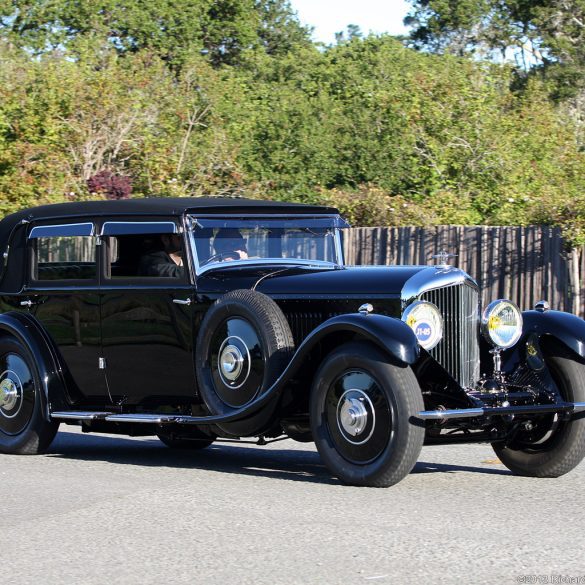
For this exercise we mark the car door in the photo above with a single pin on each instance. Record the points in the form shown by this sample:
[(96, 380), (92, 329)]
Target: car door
[(63, 295), (146, 315)]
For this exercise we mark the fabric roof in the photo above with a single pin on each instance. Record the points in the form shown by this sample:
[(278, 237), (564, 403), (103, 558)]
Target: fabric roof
[(156, 206)]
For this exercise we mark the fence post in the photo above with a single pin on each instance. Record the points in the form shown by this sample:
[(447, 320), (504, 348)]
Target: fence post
[(575, 281)]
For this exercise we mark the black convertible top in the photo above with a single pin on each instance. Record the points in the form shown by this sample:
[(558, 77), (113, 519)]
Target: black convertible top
[(12, 227), (159, 206), (176, 206)]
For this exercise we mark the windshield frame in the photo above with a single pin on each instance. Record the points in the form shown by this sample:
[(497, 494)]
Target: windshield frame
[(337, 223)]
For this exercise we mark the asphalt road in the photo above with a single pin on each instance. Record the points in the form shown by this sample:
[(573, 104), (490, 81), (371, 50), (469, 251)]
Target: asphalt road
[(100, 509)]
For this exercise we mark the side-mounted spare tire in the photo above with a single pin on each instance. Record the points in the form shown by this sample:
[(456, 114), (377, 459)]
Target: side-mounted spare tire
[(243, 346)]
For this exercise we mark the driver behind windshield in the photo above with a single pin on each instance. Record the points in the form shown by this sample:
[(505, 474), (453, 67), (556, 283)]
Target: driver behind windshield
[(229, 244)]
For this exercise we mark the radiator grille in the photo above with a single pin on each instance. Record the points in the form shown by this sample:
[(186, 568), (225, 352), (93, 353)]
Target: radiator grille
[(303, 322), (458, 351)]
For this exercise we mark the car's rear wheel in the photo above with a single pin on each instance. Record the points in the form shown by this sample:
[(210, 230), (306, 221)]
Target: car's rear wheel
[(243, 346), (550, 446), (362, 416), (23, 428)]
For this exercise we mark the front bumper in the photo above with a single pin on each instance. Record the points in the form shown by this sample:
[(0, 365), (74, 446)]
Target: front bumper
[(569, 408)]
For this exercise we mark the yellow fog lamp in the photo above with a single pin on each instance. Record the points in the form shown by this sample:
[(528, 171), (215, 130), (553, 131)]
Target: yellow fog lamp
[(501, 323)]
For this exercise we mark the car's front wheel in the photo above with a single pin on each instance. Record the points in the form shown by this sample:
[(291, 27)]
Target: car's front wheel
[(550, 446), (363, 411), (23, 428)]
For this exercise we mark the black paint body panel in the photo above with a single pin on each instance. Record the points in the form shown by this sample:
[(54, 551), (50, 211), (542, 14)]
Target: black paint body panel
[(148, 344)]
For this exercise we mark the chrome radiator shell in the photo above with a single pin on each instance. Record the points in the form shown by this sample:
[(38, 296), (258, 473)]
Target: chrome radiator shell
[(458, 351)]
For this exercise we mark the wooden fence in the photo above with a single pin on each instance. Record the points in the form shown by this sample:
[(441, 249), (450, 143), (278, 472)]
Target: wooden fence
[(524, 264)]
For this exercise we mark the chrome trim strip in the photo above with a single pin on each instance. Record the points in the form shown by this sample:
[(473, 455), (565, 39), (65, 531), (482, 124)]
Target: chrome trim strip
[(268, 216), (121, 228), (62, 230), (501, 411), (339, 247), (79, 415), (144, 418)]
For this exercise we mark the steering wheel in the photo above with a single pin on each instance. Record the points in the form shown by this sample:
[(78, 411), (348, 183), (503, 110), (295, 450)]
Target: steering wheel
[(221, 256)]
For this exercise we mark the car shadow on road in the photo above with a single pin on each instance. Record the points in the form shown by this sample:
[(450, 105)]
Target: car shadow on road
[(278, 463), (282, 463)]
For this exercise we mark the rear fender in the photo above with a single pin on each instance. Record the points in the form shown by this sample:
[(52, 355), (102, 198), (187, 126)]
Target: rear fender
[(25, 328)]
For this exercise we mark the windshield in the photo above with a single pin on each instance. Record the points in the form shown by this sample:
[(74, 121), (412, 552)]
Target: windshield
[(219, 241)]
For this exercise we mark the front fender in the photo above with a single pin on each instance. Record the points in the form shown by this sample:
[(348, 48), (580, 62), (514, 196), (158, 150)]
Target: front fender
[(23, 327), (393, 336), (390, 334), (566, 327)]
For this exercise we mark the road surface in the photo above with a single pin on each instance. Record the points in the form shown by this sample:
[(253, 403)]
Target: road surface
[(103, 509)]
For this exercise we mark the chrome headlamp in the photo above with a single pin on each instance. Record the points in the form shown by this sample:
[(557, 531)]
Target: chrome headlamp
[(426, 321), (501, 323)]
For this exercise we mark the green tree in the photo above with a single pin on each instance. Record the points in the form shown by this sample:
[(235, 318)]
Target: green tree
[(547, 34), (222, 29), (389, 134)]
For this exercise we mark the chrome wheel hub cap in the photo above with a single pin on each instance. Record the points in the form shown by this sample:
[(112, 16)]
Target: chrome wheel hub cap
[(354, 411), (231, 362), (234, 362), (353, 416), (10, 396)]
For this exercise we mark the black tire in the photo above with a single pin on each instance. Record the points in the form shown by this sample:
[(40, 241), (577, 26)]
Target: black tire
[(362, 416), (251, 334), (195, 440), (553, 447), (23, 428)]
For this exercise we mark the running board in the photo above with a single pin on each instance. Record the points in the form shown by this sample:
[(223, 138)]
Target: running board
[(80, 415), (567, 407), (157, 419)]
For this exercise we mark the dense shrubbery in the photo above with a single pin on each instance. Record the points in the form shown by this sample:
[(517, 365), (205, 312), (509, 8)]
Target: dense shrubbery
[(389, 134)]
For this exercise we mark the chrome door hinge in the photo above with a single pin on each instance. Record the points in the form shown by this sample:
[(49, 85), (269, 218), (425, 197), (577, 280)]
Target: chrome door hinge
[(102, 363)]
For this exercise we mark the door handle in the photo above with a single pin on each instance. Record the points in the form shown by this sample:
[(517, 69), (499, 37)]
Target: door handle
[(182, 302), (28, 303)]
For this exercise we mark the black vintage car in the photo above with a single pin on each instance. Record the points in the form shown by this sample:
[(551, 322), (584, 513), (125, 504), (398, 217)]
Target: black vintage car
[(198, 320)]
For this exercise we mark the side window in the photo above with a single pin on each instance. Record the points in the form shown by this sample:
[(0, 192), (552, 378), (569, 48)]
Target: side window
[(156, 255), (65, 258)]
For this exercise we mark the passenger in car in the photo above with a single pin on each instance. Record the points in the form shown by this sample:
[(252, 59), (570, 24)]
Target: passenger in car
[(167, 262)]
